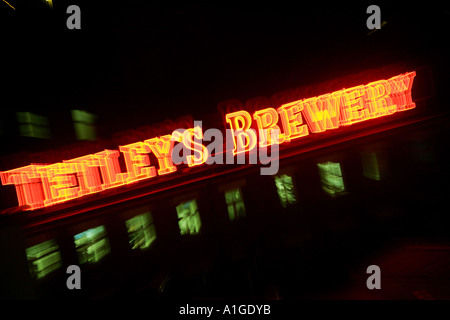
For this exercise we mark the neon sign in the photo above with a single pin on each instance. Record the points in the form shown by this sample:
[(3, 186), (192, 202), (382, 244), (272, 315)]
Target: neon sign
[(42, 185), (326, 112)]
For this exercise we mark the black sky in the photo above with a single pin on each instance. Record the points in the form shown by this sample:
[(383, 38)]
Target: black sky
[(136, 63)]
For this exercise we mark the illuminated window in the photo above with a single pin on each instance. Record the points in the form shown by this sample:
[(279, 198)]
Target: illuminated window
[(141, 231), (370, 166), (43, 258), (84, 124), (285, 189), (331, 177), (92, 245), (33, 125), (188, 217), (235, 204)]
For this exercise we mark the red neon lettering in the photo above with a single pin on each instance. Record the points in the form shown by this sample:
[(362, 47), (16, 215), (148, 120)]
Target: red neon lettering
[(110, 169), (162, 149), (240, 123), (197, 147), (352, 106), (88, 174), (322, 113), (137, 161), (378, 100), (28, 185), (187, 139), (43, 185), (59, 182), (291, 119), (267, 120), (401, 91)]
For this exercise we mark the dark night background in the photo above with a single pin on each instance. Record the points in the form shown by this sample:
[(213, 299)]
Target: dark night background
[(137, 63)]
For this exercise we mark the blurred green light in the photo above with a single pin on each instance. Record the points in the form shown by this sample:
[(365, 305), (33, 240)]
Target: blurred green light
[(83, 116), (33, 125), (370, 166), (43, 258), (84, 125), (92, 245), (331, 177), (141, 231), (235, 204), (188, 217), (285, 190)]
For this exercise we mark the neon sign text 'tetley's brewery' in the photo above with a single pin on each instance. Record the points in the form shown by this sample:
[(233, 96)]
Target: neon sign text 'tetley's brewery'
[(42, 185)]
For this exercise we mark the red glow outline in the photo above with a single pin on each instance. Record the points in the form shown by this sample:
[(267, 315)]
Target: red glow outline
[(39, 185)]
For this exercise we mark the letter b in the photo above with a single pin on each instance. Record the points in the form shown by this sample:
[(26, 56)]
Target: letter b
[(266, 309)]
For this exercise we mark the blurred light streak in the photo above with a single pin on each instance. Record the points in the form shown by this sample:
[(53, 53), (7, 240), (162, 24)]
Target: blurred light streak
[(50, 3), (9, 4), (188, 217), (285, 190), (235, 204), (381, 26)]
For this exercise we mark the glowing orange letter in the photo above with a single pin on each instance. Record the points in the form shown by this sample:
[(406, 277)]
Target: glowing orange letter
[(291, 118), (28, 185), (322, 113), (378, 101), (267, 119), (162, 149), (59, 182), (401, 91), (137, 161), (240, 122), (110, 169), (352, 106), (193, 145), (87, 168)]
